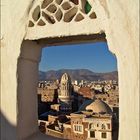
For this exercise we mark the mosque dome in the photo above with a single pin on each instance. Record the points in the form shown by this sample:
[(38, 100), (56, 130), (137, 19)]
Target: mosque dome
[(96, 106)]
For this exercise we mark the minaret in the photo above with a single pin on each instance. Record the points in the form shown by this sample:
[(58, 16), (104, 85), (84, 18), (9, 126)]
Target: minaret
[(65, 93)]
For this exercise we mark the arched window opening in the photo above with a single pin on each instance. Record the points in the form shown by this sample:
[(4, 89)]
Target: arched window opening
[(79, 79)]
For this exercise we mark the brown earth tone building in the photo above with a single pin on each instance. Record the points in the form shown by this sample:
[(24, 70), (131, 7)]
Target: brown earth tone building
[(93, 121)]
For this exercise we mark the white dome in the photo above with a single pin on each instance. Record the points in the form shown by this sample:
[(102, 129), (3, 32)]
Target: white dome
[(96, 106)]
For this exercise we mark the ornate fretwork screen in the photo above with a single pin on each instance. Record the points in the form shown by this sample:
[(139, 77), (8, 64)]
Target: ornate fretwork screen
[(64, 16), (52, 11)]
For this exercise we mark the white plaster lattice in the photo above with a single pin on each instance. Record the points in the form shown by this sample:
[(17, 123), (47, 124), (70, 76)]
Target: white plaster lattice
[(53, 11)]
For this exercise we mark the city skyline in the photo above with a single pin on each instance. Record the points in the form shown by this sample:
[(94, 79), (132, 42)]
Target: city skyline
[(93, 56)]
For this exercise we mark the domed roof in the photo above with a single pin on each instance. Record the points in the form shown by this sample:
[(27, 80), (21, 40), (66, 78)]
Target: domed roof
[(65, 78), (96, 105)]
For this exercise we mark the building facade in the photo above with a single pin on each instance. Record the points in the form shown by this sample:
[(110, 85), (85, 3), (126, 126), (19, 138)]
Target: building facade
[(93, 121)]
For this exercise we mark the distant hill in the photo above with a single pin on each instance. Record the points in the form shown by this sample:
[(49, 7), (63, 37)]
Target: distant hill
[(78, 74)]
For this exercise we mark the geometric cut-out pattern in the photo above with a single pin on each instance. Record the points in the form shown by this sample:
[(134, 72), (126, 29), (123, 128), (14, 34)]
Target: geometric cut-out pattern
[(53, 11)]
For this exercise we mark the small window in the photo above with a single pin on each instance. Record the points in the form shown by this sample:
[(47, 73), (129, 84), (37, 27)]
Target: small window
[(103, 126), (104, 135), (92, 134), (108, 126), (78, 128), (91, 126)]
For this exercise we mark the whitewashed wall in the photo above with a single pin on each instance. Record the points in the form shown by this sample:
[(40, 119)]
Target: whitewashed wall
[(119, 20)]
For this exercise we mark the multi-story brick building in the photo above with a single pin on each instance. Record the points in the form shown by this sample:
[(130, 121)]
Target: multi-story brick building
[(92, 121), (48, 94)]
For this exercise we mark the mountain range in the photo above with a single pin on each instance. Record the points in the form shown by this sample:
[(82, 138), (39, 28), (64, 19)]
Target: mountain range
[(78, 74)]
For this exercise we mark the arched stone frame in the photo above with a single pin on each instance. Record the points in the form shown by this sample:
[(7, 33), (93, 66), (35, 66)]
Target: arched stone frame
[(27, 72), (118, 31)]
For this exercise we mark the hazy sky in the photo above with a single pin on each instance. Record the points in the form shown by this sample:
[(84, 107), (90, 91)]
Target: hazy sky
[(92, 56)]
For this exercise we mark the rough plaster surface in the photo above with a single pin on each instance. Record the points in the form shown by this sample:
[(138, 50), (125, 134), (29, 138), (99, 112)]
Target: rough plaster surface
[(62, 27), (119, 19)]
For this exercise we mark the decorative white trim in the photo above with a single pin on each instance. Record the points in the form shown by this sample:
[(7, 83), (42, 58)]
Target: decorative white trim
[(78, 125)]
